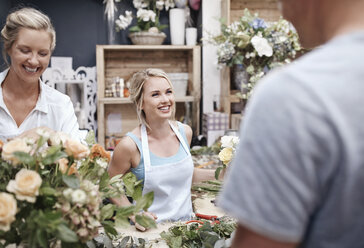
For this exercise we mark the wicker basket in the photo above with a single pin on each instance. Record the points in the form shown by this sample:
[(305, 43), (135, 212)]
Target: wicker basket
[(147, 38)]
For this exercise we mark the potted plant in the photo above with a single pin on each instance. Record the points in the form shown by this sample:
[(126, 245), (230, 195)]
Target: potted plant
[(148, 29)]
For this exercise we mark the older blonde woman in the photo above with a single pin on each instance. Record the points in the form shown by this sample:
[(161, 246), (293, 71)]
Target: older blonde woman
[(25, 101)]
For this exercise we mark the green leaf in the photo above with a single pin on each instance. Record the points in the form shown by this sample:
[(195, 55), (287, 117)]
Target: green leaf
[(108, 227), (125, 211), (138, 192), (90, 138), (124, 241), (121, 222), (107, 211), (104, 181), (115, 179), (145, 201), (47, 191), (129, 180), (54, 154), (24, 158), (134, 29), (145, 221), (41, 141), (71, 181), (41, 238), (65, 234), (217, 172), (176, 242)]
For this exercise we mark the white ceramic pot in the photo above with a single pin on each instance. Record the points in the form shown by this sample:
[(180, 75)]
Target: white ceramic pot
[(191, 36)]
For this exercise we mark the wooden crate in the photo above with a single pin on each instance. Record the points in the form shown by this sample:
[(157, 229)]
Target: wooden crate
[(124, 60)]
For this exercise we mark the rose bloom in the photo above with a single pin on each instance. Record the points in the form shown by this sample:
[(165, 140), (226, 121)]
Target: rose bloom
[(76, 149), (79, 196), (98, 151), (7, 211), (26, 185), (15, 145), (226, 155), (262, 46), (63, 167), (58, 138), (229, 141)]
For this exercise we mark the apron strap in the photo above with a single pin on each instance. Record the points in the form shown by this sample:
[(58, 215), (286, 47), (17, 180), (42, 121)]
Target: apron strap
[(181, 139), (145, 147)]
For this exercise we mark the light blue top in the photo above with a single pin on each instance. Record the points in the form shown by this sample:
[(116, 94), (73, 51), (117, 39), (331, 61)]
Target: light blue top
[(154, 159)]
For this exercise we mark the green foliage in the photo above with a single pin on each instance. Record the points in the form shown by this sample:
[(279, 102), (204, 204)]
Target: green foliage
[(210, 187), (195, 235)]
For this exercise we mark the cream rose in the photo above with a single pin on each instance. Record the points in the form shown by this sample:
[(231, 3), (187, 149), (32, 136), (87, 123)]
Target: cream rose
[(226, 155), (63, 166), (26, 185), (15, 145), (76, 149), (7, 211), (59, 138)]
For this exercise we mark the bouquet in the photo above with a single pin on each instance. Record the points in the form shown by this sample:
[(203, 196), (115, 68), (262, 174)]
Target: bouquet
[(256, 44), (226, 155), (52, 189), (147, 15)]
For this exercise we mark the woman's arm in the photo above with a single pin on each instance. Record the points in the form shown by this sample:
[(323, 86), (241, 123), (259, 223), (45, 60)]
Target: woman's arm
[(125, 155), (188, 132), (121, 163), (200, 175)]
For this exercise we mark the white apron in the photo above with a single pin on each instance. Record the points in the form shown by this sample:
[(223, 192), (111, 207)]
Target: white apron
[(171, 183)]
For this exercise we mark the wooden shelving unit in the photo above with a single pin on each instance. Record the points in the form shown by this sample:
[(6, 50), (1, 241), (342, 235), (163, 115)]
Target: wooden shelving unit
[(124, 60), (232, 10)]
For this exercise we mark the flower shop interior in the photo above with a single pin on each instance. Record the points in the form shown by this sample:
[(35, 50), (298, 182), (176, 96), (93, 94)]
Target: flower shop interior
[(212, 51)]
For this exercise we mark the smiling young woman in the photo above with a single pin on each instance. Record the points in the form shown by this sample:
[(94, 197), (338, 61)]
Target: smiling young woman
[(25, 101), (157, 151)]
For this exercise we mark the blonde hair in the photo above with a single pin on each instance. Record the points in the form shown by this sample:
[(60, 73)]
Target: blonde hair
[(25, 18), (136, 90)]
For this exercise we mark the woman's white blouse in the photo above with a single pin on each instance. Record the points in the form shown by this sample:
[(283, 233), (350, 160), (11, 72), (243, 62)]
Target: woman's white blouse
[(53, 109)]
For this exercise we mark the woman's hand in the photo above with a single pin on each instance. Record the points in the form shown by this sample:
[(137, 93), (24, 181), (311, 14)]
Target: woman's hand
[(147, 214)]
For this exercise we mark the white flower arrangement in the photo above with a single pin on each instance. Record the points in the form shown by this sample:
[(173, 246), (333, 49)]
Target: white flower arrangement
[(52, 189), (258, 45), (147, 16)]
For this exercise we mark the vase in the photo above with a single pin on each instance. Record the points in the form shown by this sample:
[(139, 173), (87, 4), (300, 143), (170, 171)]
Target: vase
[(240, 78), (110, 10), (147, 38), (177, 26), (191, 36)]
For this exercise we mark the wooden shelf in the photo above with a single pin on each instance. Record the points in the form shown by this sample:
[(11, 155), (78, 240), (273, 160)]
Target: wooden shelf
[(124, 60)]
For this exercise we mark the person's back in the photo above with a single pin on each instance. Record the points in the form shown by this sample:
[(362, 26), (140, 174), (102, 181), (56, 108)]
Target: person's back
[(337, 87), (299, 169)]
